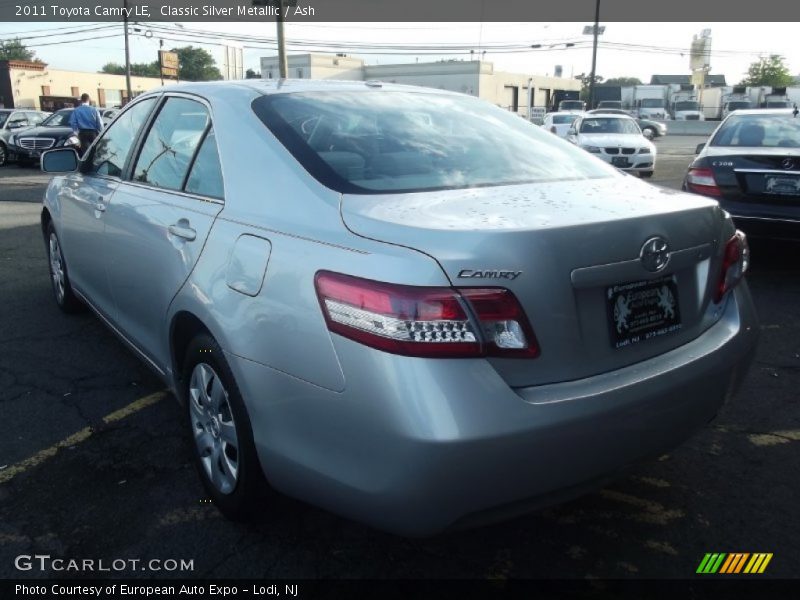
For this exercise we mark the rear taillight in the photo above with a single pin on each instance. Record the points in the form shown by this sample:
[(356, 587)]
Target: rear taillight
[(701, 181), (735, 262), (436, 322)]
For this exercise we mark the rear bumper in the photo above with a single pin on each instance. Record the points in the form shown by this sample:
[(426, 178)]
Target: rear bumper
[(766, 225), (417, 446)]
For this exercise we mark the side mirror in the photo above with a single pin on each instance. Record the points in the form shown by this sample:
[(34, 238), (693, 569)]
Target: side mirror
[(699, 148), (571, 131), (62, 160), (17, 124), (648, 133)]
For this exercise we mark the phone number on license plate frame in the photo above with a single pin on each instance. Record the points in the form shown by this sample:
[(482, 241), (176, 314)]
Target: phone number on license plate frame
[(642, 310)]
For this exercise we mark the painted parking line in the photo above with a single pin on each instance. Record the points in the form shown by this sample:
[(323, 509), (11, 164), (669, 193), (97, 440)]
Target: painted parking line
[(80, 436)]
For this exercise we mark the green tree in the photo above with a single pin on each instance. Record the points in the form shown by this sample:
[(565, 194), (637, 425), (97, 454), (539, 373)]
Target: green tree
[(623, 81), (16, 50), (584, 78), (768, 71), (113, 68), (196, 64), (251, 74), (137, 69)]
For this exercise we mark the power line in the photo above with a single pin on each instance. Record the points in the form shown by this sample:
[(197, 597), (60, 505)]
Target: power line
[(56, 34)]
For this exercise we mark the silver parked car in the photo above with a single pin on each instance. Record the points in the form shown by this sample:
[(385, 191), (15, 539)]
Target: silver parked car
[(404, 305)]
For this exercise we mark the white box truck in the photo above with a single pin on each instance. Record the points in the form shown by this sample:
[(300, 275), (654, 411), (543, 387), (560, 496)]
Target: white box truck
[(650, 101), (684, 106)]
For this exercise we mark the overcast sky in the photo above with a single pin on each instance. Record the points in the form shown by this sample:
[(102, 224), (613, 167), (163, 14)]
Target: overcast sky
[(664, 46)]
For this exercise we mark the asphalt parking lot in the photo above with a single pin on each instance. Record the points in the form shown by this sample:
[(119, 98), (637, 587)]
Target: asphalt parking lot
[(94, 459)]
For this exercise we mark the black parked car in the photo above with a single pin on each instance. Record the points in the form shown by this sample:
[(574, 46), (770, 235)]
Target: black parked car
[(26, 147), (14, 120), (751, 165)]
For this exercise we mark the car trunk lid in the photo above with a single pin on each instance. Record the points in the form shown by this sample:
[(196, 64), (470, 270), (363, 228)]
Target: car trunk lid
[(571, 242), (758, 175)]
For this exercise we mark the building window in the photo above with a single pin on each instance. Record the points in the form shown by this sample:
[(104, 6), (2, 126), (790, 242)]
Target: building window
[(299, 73), (269, 75)]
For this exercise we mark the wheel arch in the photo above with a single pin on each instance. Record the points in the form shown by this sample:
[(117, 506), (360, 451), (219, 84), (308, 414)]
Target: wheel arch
[(185, 326), (46, 218)]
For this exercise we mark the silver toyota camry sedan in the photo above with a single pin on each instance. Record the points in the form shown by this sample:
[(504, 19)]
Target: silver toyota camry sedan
[(404, 305)]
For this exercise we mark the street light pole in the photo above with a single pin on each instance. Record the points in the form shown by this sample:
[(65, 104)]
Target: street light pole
[(594, 52)]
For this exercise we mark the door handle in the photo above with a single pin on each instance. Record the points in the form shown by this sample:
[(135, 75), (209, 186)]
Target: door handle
[(99, 207), (182, 230)]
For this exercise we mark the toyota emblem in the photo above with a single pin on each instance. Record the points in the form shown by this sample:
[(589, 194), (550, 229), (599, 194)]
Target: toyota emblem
[(787, 163), (655, 254)]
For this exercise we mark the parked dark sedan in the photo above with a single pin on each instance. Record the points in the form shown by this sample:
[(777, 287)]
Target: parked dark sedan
[(27, 146), (14, 120), (751, 165)]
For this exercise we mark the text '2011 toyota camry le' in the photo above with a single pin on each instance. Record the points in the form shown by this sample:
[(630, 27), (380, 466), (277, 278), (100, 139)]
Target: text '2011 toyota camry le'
[(404, 305)]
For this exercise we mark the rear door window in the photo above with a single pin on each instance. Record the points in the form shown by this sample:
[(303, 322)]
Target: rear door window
[(171, 143), (205, 176)]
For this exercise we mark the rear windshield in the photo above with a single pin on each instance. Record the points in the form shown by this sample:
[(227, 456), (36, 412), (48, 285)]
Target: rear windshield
[(380, 141), (687, 106), (776, 131), (563, 119), (738, 105)]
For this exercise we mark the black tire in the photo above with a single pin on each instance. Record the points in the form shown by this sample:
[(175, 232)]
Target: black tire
[(646, 174), (238, 501), (3, 154), (59, 274), (652, 130)]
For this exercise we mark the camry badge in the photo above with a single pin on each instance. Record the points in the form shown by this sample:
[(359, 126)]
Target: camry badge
[(787, 163), (655, 254), (489, 274)]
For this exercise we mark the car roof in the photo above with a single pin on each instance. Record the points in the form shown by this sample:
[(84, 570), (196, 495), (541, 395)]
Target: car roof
[(763, 111), (286, 86), (612, 115), (608, 111)]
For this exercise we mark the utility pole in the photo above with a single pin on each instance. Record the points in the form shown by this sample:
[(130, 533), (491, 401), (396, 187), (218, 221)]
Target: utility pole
[(127, 52), (594, 52), (283, 65)]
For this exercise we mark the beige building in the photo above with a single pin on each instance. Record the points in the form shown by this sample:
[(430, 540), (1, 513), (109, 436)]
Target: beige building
[(26, 84), (474, 77)]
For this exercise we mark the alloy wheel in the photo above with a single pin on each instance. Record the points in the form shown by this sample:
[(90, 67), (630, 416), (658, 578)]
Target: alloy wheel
[(214, 428), (56, 268)]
